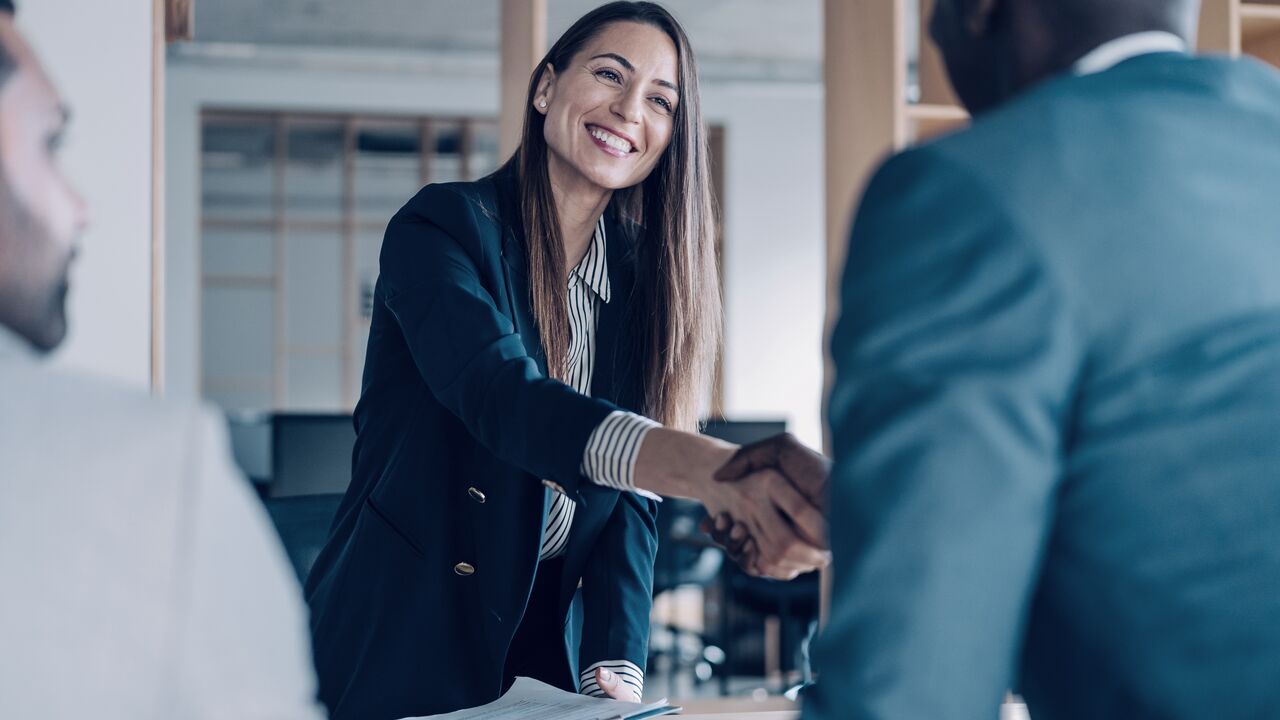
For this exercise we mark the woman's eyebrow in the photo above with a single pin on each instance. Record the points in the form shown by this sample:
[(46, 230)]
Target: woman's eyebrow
[(626, 65)]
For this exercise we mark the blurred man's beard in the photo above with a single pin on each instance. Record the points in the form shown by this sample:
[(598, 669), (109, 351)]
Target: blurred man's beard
[(32, 304)]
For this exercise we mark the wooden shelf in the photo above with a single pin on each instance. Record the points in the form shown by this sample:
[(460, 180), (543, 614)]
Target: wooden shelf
[(939, 113), (1260, 30), (1258, 19), (927, 120)]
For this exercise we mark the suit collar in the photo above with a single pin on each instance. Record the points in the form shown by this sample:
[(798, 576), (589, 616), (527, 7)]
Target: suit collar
[(614, 377)]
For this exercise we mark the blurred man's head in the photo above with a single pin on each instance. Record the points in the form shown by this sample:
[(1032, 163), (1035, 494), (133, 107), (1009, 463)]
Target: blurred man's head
[(995, 49), (40, 214)]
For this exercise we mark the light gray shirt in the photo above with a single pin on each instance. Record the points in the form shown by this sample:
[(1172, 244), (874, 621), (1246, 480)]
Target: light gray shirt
[(141, 577)]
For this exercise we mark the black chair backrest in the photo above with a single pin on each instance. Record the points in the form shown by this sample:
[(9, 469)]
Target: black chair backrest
[(311, 453), (685, 554), (743, 432), (303, 523)]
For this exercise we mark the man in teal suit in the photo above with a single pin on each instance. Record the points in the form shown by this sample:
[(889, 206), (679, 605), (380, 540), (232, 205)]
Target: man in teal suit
[(1056, 419)]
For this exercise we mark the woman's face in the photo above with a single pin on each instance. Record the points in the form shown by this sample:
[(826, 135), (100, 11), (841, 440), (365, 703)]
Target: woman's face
[(609, 114)]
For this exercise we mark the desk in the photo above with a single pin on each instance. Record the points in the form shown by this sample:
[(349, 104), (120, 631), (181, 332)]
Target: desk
[(771, 708), (731, 708), (764, 715)]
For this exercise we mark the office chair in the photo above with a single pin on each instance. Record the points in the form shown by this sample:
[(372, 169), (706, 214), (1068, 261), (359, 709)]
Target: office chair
[(311, 453), (686, 557), (303, 524)]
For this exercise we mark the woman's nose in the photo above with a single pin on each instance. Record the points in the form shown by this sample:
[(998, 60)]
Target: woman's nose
[(627, 107)]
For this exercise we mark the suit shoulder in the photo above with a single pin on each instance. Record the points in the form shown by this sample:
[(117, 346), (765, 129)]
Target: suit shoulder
[(65, 391), (468, 212), (475, 202), (77, 431)]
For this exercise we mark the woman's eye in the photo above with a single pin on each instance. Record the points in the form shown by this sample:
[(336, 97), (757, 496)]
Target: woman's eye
[(665, 103), (609, 75)]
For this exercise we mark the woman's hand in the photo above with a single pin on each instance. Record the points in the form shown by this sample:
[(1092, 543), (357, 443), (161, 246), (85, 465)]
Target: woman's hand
[(613, 686)]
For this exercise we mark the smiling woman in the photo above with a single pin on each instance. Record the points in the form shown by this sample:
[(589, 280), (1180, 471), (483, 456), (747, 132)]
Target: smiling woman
[(529, 333), (606, 114)]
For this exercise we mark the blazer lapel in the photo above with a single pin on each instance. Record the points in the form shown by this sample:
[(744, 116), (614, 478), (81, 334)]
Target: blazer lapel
[(614, 377), (516, 268)]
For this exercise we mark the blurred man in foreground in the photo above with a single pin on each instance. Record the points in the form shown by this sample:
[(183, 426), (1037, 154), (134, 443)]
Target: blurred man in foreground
[(1057, 403), (138, 576)]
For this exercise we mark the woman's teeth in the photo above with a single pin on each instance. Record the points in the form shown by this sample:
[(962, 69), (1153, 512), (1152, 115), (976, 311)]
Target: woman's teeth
[(611, 140)]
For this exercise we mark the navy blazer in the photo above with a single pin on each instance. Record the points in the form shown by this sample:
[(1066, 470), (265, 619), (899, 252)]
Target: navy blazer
[(461, 437)]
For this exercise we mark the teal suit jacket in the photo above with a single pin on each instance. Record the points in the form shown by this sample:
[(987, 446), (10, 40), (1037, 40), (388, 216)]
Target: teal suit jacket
[(1056, 418)]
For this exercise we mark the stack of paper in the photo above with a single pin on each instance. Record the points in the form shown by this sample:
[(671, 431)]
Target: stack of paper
[(529, 699)]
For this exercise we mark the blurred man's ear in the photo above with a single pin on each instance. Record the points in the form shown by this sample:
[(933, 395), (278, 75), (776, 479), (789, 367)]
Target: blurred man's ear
[(978, 15)]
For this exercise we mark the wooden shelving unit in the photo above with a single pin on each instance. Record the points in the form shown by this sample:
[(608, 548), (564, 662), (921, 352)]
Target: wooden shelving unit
[(869, 113), (1260, 31), (1250, 27)]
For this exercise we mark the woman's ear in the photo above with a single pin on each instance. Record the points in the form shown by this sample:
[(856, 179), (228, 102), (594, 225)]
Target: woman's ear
[(546, 88)]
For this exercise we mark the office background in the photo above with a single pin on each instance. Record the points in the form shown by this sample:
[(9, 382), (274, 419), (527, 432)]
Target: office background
[(240, 172)]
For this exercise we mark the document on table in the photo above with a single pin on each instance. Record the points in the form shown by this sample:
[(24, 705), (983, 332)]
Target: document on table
[(529, 699)]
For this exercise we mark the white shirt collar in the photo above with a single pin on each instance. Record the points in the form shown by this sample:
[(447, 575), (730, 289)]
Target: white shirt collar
[(593, 269), (1114, 52)]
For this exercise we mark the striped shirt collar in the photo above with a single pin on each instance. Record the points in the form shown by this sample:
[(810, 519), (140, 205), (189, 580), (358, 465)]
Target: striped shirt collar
[(594, 267)]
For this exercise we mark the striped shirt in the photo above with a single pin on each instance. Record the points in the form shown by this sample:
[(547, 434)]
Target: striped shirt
[(610, 456)]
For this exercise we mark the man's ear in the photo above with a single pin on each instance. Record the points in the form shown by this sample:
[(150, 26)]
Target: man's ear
[(546, 89), (979, 14)]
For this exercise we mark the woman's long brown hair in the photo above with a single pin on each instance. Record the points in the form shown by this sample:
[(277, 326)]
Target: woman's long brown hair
[(674, 315)]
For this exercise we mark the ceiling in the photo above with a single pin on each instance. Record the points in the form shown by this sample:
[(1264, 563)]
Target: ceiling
[(783, 32)]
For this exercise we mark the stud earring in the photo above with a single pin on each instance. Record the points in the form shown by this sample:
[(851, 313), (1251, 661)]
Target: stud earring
[(542, 104)]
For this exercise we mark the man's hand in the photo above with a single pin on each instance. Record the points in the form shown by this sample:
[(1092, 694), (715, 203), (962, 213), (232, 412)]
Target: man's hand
[(805, 468), (787, 529), (785, 534), (732, 538), (802, 467)]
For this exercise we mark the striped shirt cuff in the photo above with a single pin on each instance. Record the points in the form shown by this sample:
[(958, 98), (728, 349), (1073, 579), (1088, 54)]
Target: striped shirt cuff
[(631, 676), (610, 457)]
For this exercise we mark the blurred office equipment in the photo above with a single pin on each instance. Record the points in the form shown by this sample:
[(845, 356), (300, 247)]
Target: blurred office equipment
[(303, 523), (311, 453), (289, 454), (686, 559)]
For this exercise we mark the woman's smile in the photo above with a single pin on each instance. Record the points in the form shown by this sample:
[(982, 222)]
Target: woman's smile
[(611, 142)]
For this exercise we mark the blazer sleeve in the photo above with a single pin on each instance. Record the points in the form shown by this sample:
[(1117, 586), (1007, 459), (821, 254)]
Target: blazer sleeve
[(467, 351), (617, 592), (956, 356)]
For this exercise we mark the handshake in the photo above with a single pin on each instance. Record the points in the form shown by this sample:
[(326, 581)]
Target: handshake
[(765, 501)]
